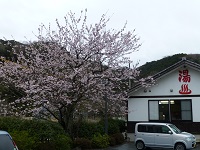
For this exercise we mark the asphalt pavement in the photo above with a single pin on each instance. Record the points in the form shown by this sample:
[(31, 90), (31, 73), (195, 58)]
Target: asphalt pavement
[(131, 146)]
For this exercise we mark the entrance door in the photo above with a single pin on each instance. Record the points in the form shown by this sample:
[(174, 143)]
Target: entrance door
[(164, 110)]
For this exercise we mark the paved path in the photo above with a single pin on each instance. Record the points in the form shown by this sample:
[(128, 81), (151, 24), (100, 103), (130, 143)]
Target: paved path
[(125, 146), (131, 146)]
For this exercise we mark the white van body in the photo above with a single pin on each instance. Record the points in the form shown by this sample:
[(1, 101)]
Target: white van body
[(162, 135)]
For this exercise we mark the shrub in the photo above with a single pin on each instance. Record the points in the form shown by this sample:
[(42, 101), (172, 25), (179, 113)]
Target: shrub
[(112, 141), (100, 141), (23, 140), (10, 123), (46, 146), (62, 142), (87, 129), (121, 125), (114, 125), (119, 138), (83, 143), (36, 134)]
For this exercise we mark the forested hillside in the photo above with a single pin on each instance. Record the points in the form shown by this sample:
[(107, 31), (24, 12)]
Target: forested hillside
[(6, 49), (7, 91), (151, 68)]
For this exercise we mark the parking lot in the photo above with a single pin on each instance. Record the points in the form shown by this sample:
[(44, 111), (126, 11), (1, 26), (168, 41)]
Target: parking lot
[(131, 146)]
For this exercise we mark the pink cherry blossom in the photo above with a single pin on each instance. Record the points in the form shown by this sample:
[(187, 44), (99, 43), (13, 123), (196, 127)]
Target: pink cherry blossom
[(62, 72)]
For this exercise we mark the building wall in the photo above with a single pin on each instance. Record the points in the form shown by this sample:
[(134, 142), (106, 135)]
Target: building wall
[(170, 81), (196, 109), (167, 87), (138, 110)]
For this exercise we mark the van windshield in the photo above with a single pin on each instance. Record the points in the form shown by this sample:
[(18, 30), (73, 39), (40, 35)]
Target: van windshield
[(175, 129)]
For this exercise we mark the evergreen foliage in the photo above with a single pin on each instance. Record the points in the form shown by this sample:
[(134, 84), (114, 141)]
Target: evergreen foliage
[(151, 68), (36, 134)]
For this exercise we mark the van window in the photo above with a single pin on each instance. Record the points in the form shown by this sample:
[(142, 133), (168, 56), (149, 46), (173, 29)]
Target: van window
[(162, 129), (175, 129), (150, 129), (141, 128), (145, 128)]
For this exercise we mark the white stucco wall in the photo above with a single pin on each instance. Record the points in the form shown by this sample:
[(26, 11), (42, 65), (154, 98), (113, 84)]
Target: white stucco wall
[(170, 81), (196, 109), (139, 106), (138, 110)]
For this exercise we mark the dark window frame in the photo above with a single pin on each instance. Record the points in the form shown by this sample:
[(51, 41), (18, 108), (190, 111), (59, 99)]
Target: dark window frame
[(170, 117)]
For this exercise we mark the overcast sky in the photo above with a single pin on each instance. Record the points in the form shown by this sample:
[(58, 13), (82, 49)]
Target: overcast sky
[(166, 27)]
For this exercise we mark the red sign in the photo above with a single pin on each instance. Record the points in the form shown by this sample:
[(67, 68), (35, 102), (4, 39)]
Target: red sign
[(185, 78)]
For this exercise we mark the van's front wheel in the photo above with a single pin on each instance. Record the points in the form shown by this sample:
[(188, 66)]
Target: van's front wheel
[(179, 146), (140, 145)]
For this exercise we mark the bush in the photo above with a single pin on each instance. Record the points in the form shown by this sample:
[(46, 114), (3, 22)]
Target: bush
[(100, 141), (83, 143), (46, 146), (62, 142), (119, 138), (36, 134), (112, 141), (10, 123), (23, 140), (121, 125), (47, 135), (87, 129), (114, 125)]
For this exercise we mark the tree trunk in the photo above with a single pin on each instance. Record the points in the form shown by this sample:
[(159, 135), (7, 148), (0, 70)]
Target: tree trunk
[(66, 119)]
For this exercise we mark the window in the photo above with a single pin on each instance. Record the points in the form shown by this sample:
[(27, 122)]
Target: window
[(181, 110), (165, 129), (150, 129), (170, 110), (162, 129), (145, 128), (141, 128), (175, 129), (186, 110), (153, 111)]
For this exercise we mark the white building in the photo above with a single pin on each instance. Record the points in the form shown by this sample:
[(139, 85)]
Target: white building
[(174, 98)]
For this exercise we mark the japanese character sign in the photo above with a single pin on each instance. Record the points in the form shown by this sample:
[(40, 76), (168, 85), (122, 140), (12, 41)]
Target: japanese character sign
[(184, 78)]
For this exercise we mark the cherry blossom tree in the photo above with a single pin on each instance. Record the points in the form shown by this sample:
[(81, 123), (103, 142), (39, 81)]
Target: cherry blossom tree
[(65, 70)]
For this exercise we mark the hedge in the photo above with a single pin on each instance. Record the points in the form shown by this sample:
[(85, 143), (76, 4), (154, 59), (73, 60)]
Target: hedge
[(48, 135), (36, 134), (92, 135)]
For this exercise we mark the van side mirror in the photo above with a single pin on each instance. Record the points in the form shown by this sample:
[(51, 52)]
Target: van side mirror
[(170, 132)]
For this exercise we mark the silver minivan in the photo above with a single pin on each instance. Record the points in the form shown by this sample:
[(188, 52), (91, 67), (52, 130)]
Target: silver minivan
[(162, 135), (6, 141)]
